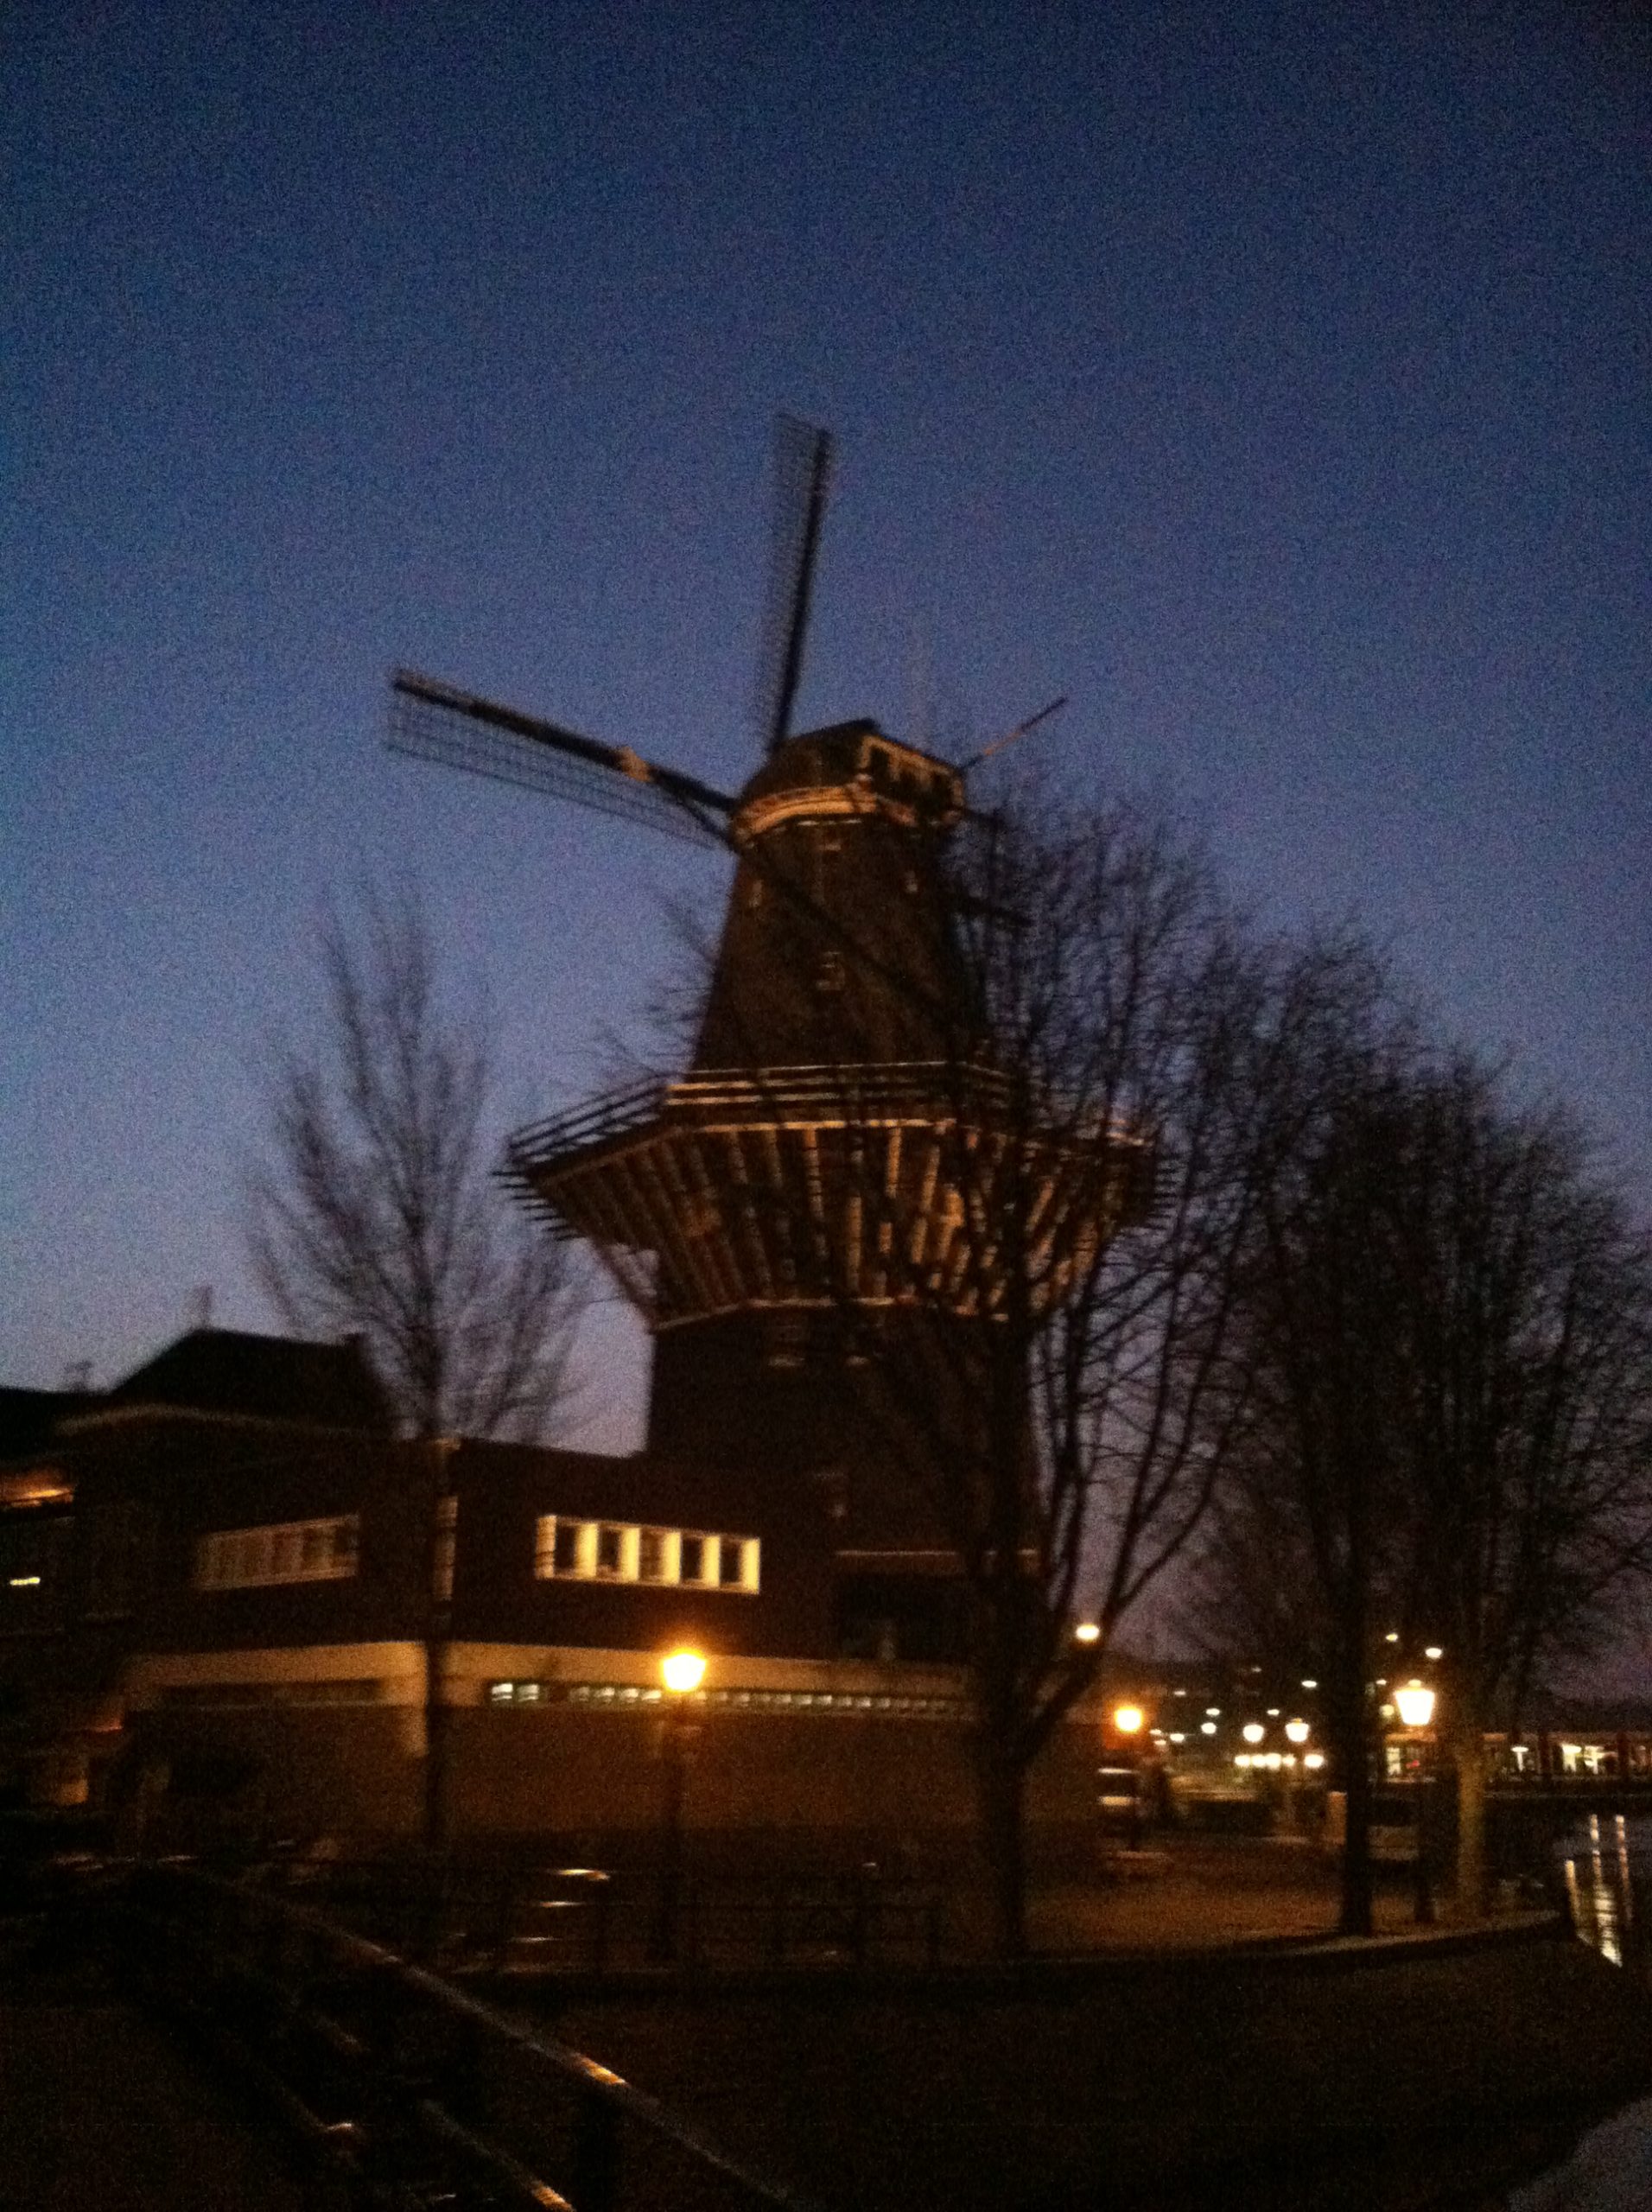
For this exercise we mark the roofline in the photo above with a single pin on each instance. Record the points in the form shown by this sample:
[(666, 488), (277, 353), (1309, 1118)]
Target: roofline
[(159, 1409)]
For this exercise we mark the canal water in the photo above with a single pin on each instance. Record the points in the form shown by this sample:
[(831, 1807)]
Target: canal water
[(1606, 1867)]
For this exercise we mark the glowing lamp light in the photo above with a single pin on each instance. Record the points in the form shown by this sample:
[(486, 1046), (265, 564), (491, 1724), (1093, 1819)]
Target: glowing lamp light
[(683, 1671), (1086, 1632), (1296, 1731), (1127, 1718), (1314, 1761), (1253, 1732), (1434, 1651), (1414, 1705), (1207, 1727)]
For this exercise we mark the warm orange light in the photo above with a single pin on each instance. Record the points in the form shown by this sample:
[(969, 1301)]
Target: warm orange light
[(683, 1671), (1127, 1718), (1414, 1705), (38, 1486), (1087, 1632), (1296, 1731)]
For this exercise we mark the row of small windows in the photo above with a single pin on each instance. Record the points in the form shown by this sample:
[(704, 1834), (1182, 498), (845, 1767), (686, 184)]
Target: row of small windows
[(360, 1690), (286, 1551), (620, 1696), (620, 1551)]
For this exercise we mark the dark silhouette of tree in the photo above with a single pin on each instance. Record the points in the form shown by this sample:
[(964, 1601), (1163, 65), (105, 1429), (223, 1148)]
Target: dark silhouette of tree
[(1450, 1323), (372, 1211), (1524, 1311), (1043, 1346)]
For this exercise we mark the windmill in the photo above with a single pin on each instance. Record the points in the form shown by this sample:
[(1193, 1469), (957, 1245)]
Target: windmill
[(794, 1195)]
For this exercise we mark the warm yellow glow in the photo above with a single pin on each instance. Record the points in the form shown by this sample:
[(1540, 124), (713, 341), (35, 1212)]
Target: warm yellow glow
[(1296, 1731), (1253, 1732), (25, 1582), (1087, 1632), (1414, 1705), (683, 1671), (1309, 1682), (1434, 1651), (1314, 1760), (38, 1486), (1127, 1718)]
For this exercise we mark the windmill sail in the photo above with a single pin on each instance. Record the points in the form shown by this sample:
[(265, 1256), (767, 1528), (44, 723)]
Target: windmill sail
[(802, 456), (434, 721)]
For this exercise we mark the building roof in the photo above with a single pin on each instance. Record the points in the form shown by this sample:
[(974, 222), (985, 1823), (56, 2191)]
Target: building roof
[(268, 1378), (28, 1419)]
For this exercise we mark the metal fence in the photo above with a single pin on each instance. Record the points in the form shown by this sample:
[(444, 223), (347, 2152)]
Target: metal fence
[(408, 2092)]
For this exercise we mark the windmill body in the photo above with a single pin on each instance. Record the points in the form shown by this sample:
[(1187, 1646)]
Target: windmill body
[(805, 1198)]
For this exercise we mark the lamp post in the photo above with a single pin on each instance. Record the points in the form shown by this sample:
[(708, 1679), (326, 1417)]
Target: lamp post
[(1414, 1703), (680, 1674)]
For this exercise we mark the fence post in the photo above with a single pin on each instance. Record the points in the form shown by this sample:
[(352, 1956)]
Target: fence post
[(596, 2153)]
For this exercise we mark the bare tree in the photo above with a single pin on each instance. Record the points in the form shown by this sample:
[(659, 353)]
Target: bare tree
[(1044, 1319), (1302, 1543), (1449, 1325), (1525, 1312), (372, 1211)]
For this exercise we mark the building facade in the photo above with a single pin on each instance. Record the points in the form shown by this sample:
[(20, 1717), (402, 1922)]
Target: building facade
[(230, 1597)]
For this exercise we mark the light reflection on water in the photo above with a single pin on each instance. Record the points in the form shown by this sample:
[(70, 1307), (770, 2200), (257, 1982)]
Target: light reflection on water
[(1603, 1866)]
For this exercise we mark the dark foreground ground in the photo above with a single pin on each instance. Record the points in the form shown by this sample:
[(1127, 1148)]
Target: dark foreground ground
[(1211, 2050), (1411, 2079)]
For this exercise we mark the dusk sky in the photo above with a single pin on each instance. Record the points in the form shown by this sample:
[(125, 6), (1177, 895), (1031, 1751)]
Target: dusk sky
[(1273, 380)]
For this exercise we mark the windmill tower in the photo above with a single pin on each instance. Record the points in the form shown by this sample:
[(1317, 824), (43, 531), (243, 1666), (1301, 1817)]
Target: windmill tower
[(792, 1202)]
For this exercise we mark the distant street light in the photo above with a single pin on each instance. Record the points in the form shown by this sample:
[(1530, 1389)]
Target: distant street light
[(1128, 1719), (1253, 1732), (1087, 1632), (1296, 1731)]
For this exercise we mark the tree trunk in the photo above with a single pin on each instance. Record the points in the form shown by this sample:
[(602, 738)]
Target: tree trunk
[(1001, 1781), (1354, 1759), (1469, 1760)]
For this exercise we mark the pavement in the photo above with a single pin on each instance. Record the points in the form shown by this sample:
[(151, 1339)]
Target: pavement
[(101, 2111), (1199, 1893), (1188, 2034)]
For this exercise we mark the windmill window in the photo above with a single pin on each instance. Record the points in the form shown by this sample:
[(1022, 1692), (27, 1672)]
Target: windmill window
[(609, 1551), (285, 1551)]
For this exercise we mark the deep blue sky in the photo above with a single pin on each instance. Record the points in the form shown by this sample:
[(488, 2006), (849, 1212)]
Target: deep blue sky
[(1273, 380)]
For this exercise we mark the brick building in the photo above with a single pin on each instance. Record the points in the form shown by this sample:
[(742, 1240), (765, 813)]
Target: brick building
[(226, 1586)]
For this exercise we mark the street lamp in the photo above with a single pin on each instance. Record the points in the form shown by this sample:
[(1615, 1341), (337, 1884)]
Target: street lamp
[(1128, 1719), (1414, 1703), (682, 1672)]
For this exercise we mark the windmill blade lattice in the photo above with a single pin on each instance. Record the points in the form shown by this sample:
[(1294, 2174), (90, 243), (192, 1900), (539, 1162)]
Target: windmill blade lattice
[(432, 721), (803, 461)]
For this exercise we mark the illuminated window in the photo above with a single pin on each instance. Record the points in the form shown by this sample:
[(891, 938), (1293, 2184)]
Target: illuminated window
[(286, 1551), (609, 1551)]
